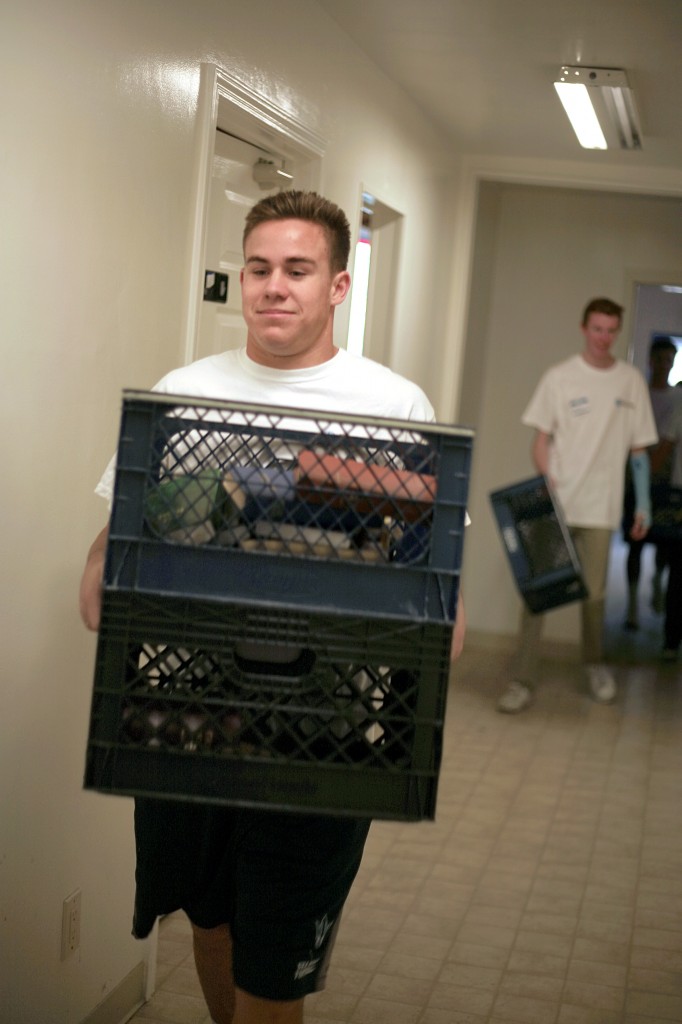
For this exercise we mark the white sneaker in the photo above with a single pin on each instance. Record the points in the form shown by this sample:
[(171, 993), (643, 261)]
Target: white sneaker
[(515, 698), (602, 684)]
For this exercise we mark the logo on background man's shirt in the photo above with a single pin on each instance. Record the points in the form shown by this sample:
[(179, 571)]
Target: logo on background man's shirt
[(579, 406), (624, 402)]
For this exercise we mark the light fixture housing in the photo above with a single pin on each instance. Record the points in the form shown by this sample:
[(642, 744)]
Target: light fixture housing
[(267, 175), (600, 106)]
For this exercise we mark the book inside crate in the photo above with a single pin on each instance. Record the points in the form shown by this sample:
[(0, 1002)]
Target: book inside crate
[(250, 630)]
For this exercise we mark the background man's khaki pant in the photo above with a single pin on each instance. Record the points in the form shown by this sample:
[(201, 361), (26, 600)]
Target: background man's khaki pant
[(592, 546)]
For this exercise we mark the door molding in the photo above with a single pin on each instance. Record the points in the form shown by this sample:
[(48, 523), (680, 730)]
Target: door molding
[(264, 122), (227, 102)]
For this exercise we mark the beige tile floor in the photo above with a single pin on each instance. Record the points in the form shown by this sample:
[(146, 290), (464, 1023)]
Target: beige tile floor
[(549, 889)]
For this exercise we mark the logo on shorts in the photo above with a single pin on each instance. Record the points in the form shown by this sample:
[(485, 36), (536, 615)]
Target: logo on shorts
[(321, 930), (305, 967)]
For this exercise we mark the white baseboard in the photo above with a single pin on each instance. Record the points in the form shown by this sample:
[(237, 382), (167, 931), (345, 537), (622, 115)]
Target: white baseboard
[(123, 1001)]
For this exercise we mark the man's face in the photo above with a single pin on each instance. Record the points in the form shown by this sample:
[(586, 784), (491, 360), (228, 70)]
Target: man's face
[(289, 294), (600, 332)]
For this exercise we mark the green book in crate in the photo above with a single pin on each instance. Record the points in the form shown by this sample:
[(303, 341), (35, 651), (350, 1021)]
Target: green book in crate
[(192, 508)]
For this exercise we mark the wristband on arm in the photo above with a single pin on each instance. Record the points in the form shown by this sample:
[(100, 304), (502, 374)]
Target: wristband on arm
[(639, 464)]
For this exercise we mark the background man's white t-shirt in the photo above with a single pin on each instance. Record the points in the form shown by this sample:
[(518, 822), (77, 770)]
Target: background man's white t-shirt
[(595, 418)]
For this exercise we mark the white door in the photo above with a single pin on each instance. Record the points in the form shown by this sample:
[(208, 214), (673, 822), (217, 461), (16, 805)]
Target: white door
[(233, 192)]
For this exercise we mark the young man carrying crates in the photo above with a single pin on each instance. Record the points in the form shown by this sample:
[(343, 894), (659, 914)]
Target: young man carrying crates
[(264, 890)]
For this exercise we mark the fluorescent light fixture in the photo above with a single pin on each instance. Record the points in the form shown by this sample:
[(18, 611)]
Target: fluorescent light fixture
[(600, 106), (578, 106), (266, 174)]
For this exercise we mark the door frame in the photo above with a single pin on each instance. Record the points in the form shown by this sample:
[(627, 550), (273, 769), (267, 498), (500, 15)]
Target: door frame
[(227, 103)]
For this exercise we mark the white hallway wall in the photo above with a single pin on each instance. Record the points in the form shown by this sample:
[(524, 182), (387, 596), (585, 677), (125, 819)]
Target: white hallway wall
[(542, 254), (99, 108), (99, 104)]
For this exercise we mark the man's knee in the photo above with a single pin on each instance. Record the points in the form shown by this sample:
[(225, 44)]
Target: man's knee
[(251, 1009), (211, 940)]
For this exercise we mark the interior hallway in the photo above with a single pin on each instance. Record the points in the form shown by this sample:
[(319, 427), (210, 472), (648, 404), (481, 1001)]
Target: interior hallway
[(548, 891)]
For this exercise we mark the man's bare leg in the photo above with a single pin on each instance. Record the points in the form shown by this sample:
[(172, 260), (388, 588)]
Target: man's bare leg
[(253, 1010), (227, 1005), (213, 959)]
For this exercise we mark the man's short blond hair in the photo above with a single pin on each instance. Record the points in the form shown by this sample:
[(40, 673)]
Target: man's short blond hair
[(606, 306), (294, 205)]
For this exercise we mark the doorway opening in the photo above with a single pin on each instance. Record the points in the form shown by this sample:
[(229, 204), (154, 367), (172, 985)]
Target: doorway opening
[(237, 130), (634, 623), (658, 311), (241, 174), (375, 278)]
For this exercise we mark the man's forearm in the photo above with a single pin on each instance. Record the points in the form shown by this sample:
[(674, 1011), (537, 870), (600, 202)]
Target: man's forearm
[(90, 596), (639, 465), (540, 452), (459, 630)]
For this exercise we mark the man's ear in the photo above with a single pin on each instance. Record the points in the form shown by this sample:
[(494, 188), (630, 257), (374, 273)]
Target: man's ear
[(340, 287)]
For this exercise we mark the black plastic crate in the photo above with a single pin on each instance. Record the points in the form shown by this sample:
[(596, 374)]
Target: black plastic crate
[(237, 503), (188, 704), (538, 544), (279, 594)]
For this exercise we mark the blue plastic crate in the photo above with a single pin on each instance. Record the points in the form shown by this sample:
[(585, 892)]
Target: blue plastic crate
[(338, 549), (538, 544)]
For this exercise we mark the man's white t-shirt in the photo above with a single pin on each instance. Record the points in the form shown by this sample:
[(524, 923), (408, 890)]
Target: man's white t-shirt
[(595, 418), (345, 383)]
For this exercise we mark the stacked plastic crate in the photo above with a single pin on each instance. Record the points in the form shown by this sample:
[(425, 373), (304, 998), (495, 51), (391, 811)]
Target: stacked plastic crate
[(279, 595)]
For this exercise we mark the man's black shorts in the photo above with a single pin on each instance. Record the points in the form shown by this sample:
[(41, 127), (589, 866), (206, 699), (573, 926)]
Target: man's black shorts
[(279, 880)]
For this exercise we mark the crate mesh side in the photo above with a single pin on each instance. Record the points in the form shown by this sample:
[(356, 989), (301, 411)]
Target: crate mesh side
[(241, 682), (236, 479)]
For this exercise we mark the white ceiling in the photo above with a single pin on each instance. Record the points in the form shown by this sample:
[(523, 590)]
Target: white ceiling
[(482, 70)]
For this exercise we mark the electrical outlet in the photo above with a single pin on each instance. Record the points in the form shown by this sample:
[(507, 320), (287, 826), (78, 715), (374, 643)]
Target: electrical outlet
[(71, 924)]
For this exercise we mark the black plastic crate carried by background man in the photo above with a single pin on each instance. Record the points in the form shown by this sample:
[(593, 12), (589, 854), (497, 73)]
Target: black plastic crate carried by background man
[(280, 589)]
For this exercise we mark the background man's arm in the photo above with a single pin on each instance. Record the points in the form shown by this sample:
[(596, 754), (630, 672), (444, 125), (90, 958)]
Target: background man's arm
[(639, 464), (540, 449)]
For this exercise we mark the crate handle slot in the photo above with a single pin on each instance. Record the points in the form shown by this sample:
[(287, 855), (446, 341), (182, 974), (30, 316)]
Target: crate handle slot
[(302, 665)]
